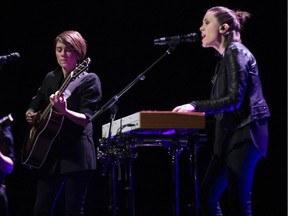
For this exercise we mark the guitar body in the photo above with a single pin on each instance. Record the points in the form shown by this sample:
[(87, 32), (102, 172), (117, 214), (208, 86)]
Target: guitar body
[(39, 139)]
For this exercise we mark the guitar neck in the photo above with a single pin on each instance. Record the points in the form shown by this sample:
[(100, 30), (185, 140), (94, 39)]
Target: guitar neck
[(66, 83), (80, 68), (46, 111)]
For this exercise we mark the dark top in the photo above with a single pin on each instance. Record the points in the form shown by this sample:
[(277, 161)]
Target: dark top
[(73, 149), (236, 97)]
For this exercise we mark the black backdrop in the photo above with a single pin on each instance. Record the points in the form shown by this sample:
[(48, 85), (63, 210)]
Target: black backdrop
[(120, 38)]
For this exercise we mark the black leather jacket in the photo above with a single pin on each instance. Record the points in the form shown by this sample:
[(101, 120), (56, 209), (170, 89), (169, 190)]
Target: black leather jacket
[(236, 96)]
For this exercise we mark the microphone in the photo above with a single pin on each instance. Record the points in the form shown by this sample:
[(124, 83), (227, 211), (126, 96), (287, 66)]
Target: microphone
[(9, 58), (174, 40)]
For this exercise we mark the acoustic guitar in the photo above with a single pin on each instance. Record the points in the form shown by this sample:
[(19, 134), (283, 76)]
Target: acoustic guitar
[(41, 134)]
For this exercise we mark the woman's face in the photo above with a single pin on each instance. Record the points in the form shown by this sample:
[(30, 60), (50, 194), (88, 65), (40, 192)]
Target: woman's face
[(210, 28), (66, 57)]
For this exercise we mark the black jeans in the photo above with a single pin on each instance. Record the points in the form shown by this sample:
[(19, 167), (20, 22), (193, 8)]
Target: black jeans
[(49, 187), (234, 173)]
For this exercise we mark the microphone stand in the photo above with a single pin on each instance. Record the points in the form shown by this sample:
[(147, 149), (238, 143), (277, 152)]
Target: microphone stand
[(110, 105), (112, 176), (141, 76)]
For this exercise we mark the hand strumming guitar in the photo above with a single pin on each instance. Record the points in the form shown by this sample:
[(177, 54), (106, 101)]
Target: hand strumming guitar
[(59, 102)]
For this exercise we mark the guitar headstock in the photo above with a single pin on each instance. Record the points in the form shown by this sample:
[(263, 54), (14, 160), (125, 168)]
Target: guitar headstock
[(81, 67)]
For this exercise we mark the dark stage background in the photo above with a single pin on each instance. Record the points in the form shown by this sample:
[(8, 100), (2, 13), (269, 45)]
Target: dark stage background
[(120, 38)]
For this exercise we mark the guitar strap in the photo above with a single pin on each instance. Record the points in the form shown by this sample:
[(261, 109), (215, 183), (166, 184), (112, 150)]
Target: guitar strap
[(74, 83)]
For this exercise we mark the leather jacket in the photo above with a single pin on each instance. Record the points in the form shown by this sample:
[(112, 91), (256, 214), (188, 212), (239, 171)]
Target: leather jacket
[(236, 97)]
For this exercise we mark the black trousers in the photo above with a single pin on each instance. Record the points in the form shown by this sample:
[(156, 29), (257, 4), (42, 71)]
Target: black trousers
[(74, 187), (234, 173)]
